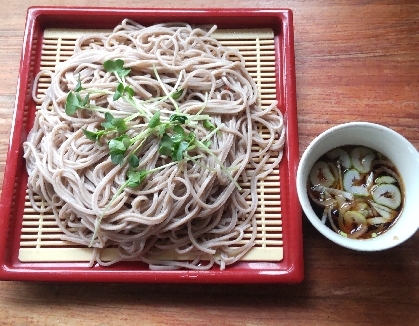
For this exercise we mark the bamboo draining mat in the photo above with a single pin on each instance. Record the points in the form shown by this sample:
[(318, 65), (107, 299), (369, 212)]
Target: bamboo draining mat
[(40, 238)]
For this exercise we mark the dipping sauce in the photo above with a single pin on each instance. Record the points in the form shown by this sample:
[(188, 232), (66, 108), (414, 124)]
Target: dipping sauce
[(356, 191)]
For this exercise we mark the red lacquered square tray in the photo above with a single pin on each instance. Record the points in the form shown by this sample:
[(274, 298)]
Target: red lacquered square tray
[(20, 261)]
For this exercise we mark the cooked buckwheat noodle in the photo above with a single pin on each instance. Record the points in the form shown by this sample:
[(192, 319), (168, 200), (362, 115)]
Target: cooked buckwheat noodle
[(193, 208)]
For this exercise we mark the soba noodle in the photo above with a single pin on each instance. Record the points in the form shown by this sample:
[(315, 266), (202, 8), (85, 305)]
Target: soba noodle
[(192, 207)]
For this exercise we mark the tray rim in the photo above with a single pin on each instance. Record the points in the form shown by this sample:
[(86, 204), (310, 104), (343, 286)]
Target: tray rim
[(292, 269)]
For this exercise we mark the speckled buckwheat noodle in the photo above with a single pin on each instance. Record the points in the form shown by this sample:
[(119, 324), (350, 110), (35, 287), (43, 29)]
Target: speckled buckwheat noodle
[(190, 207)]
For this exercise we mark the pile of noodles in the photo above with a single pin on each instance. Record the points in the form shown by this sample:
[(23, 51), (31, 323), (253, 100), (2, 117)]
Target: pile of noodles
[(190, 208)]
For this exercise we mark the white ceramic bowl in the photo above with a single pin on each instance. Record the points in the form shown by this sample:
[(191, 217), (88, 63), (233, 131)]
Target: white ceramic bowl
[(397, 148)]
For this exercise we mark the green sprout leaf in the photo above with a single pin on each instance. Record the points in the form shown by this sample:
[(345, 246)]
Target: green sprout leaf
[(112, 123), (136, 177), (122, 90), (118, 147), (178, 155), (121, 129), (190, 137), (162, 129), (125, 140), (92, 135), (117, 158), (155, 120), (129, 91), (85, 100), (133, 161), (179, 134), (107, 125), (178, 118), (109, 117), (71, 104), (175, 145), (110, 66), (75, 102), (78, 86), (177, 94), (116, 67), (119, 92), (119, 124), (166, 145), (208, 125)]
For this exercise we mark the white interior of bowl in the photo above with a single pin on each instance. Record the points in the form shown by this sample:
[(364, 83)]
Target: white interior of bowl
[(398, 149)]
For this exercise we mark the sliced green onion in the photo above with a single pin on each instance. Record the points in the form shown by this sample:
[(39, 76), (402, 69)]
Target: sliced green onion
[(353, 223), (321, 175), (377, 220), (385, 179), (335, 192), (342, 156), (352, 182), (362, 208), (362, 158), (384, 211), (388, 195)]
